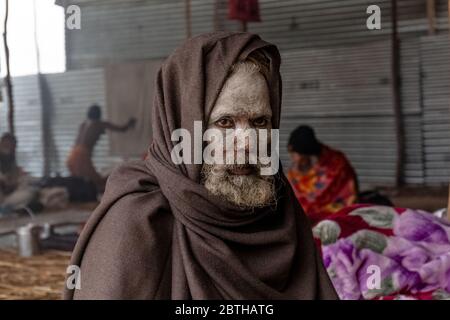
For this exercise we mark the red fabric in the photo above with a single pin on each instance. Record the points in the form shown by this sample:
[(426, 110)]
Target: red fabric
[(329, 186), (417, 296), (244, 10), (350, 224)]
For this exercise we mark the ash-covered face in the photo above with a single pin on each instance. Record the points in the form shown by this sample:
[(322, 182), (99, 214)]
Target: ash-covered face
[(243, 104)]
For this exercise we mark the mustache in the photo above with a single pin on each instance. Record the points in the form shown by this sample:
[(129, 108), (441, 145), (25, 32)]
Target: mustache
[(247, 169), (242, 166), (254, 169), (244, 189)]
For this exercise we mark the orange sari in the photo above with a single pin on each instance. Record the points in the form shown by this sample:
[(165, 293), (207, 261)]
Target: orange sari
[(327, 186)]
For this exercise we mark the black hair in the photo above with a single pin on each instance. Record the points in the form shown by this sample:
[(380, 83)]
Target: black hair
[(8, 136), (303, 141), (94, 112)]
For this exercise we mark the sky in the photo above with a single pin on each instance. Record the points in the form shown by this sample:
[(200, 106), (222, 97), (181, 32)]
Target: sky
[(50, 36)]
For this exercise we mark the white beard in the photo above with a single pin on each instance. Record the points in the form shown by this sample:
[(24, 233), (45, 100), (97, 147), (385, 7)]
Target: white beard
[(246, 191)]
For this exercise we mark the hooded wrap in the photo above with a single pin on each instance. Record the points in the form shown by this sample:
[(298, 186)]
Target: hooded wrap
[(158, 234)]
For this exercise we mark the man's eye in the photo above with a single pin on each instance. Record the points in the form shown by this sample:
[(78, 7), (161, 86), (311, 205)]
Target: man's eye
[(225, 123), (260, 122)]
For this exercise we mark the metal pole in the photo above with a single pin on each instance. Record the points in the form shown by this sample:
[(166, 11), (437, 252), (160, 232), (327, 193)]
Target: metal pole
[(8, 82), (45, 123), (188, 18), (396, 95), (431, 15), (36, 45), (244, 26), (216, 15)]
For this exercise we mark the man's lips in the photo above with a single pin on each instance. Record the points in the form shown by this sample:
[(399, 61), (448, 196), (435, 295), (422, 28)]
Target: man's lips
[(242, 171)]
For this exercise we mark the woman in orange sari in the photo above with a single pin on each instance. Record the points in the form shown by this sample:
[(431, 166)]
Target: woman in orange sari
[(322, 178)]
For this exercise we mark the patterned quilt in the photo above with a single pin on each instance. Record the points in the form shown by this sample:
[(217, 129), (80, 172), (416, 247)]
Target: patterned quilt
[(376, 252)]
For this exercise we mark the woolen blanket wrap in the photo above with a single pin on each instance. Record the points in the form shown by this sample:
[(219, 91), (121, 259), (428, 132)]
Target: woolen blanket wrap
[(158, 234)]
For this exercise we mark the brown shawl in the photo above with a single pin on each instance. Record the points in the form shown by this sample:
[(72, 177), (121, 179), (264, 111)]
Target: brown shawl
[(158, 234)]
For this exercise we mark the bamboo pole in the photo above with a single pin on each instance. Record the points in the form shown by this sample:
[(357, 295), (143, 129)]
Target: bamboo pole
[(8, 82), (188, 18), (431, 15), (244, 26), (45, 122), (216, 15)]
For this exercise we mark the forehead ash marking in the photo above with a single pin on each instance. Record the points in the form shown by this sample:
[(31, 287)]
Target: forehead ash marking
[(245, 93)]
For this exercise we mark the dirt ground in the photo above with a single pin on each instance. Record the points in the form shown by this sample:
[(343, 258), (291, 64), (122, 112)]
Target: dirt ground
[(38, 277)]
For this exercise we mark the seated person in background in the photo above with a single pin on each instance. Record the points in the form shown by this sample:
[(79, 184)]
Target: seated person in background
[(15, 190), (79, 161), (322, 178)]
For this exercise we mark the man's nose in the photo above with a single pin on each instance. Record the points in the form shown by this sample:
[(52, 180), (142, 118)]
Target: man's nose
[(242, 141)]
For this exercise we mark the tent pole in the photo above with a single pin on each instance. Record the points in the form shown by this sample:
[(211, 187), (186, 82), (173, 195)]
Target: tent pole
[(431, 15), (8, 82), (396, 96), (187, 8)]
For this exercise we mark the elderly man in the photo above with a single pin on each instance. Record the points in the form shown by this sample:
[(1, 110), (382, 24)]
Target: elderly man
[(167, 230)]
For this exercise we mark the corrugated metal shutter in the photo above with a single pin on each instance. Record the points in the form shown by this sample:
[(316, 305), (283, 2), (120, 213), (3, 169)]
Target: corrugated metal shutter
[(338, 81), (67, 98), (345, 94), (293, 24), (71, 94), (414, 166), (435, 57), (112, 32), (412, 110), (336, 77), (27, 123)]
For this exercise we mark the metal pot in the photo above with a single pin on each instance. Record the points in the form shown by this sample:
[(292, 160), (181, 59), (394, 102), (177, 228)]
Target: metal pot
[(28, 240)]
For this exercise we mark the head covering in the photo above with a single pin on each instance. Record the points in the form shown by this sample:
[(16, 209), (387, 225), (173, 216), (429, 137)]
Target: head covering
[(303, 141), (158, 233)]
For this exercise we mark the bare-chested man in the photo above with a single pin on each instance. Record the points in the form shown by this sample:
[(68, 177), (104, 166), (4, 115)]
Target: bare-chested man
[(79, 161)]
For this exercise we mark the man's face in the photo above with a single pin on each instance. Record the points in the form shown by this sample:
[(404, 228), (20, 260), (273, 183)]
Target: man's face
[(243, 104)]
